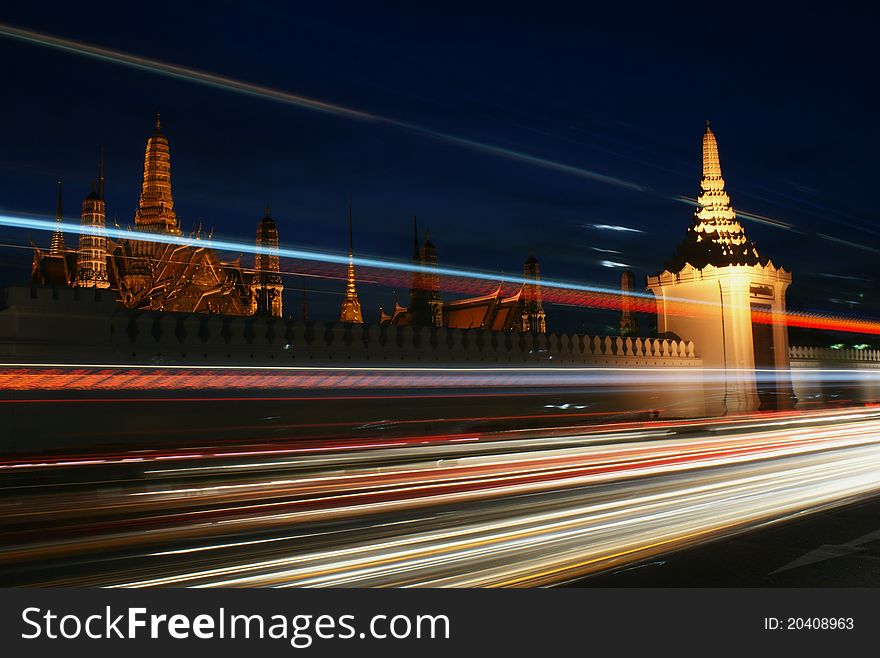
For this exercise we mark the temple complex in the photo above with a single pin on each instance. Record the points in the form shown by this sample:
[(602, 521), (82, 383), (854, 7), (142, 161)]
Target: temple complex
[(522, 311), (162, 275), (720, 292)]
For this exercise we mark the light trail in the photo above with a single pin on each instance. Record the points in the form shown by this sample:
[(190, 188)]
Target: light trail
[(226, 83), (242, 87), (116, 377), (534, 511), (118, 233), (563, 292)]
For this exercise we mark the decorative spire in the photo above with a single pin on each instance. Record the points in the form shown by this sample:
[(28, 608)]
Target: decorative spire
[(91, 270), (533, 316), (158, 122), (351, 305), (101, 175), (156, 208), (711, 162), (715, 237), (267, 286), (629, 326), (416, 253), (56, 244)]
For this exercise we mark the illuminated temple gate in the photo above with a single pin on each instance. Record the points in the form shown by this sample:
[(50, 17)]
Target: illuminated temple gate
[(720, 293)]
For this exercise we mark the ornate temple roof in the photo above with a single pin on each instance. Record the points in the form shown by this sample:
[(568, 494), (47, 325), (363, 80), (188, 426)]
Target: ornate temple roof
[(715, 237)]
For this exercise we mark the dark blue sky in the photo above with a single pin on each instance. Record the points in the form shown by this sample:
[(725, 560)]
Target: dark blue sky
[(791, 94)]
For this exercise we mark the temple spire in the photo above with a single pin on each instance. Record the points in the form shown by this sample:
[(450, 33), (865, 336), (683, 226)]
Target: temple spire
[(155, 210), (715, 237), (267, 287), (91, 271), (629, 326), (101, 175), (351, 305), (416, 253), (56, 244), (711, 162)]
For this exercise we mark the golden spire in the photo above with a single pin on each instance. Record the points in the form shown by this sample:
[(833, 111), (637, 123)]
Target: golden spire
[(715, 237), (156, 208), (91, 268), (351, 305), (267, 286), (56, 244), (714, 202)]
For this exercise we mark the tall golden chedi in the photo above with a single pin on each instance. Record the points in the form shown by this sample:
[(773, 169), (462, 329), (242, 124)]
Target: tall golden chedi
[(163, 274), (163, 270), (56, 243), (267, 287), (718, 291), (155, 211), (351, 305), (92, 256)]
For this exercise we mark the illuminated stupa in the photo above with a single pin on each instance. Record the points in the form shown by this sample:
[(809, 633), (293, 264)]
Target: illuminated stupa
[(174, 274), (351, 305), (715, 237), (267, 287), (91, 269), (155, 211), (720, 292)]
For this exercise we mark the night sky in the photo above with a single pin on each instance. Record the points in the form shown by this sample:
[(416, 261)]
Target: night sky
[(791, 95)]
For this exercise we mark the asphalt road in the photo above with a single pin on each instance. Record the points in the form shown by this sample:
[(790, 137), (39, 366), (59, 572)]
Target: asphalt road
[(836, 548), (514, 508)]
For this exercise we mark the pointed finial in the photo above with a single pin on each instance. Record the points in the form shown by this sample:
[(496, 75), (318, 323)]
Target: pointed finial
[(268, 210), (101, 175), (350, 230), (158, 121), (416, 254), (708, 124), (59, 214)]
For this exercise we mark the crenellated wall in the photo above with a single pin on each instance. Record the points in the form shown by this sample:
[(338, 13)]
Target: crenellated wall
[(85, 326), (822, 376), (821, 354)]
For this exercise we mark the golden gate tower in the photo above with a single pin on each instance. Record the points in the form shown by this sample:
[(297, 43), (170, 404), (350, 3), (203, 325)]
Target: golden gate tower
[(720, 293)]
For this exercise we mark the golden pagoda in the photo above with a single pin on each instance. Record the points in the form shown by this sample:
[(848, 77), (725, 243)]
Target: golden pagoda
[(92, 254), (267, 287), (185, 276), (56, 244), (718, 291), (351, 305)]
